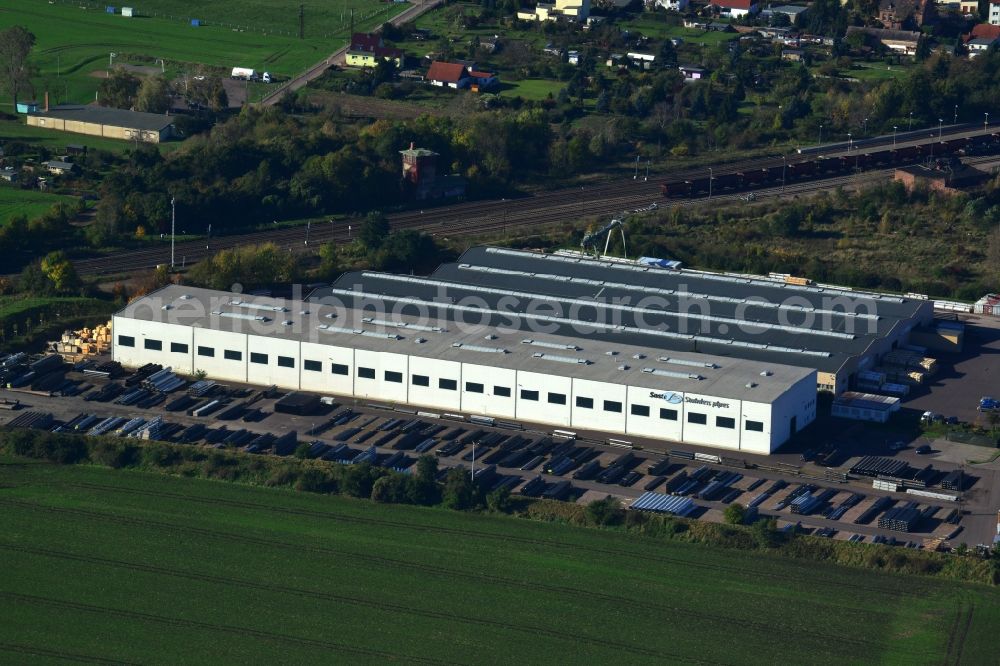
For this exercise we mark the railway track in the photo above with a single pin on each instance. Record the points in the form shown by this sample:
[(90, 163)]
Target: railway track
[(474, 218)]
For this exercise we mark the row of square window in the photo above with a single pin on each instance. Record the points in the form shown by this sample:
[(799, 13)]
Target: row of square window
[(446, 384)]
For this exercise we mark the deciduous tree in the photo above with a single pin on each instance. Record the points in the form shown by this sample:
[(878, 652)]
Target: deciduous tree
[(153, 95), (119, 90), (15, 72)]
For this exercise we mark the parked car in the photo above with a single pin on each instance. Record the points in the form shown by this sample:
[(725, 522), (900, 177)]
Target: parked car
[(952, 420), (923, 450), (987, 404)]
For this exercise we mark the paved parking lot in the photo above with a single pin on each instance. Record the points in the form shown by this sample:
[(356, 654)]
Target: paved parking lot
[(364, 429), (964, 378)]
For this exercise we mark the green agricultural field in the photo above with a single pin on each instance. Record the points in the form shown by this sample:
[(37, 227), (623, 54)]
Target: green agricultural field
[(75, 40), (104, 565), (30, 203)]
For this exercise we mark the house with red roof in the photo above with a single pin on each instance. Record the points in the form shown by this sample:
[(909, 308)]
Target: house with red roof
[(736, 8), (456, 75), (366, 50), (982, 31)]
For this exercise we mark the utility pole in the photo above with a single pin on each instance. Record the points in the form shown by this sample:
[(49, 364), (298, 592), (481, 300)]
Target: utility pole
[(308, 226), (635, 176), (173, 228), (894, 128), (910, 126), (710, 179), (784, 167)]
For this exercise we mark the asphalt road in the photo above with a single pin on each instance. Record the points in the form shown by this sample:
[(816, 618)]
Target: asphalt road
[(337, 57)]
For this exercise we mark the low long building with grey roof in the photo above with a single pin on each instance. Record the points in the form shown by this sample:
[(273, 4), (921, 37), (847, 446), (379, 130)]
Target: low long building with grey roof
[(454, 355), (106, 122), (834, 330)]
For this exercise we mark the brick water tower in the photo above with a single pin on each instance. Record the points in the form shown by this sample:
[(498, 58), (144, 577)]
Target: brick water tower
[(419, 171)]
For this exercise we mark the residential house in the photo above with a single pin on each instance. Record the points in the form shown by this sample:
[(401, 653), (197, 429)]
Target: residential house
[(8, 174), (480, 81), (791, 11), (897, 14), (562, 10), (644, 60), (458, 76), (695, 24), (980, 45), (968, 7), (993, 17), (573, 57), (59, 168), (774, 34), (737, 8), (901, 41), (982, 31), (692, 73), (670, 5), (367, 50), (447, 75), (793, 55)]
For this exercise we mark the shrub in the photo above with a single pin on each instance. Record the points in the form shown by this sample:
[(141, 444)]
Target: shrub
[(734, 514), (605, 511), (158, 455), (282, 475), (114, 453)]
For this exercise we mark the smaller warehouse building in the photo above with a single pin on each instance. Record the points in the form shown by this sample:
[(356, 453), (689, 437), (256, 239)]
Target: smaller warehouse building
[(109, 123), (950, 178), (864, 406)]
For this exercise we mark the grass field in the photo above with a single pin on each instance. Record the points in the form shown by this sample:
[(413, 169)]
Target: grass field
[(652, 28), (533, 89), (74, 40), (127, 566), (31, 203)]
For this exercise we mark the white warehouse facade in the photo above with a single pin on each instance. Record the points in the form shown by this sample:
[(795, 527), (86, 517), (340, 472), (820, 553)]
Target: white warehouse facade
[(377, 352)]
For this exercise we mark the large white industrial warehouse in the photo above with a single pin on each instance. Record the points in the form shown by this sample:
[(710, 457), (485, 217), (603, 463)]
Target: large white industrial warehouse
[(641, 349), (478, 369)]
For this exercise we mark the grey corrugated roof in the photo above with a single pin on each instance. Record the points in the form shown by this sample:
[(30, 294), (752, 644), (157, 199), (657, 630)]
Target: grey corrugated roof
[(722, 311), (194, 307), (107, 116)]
